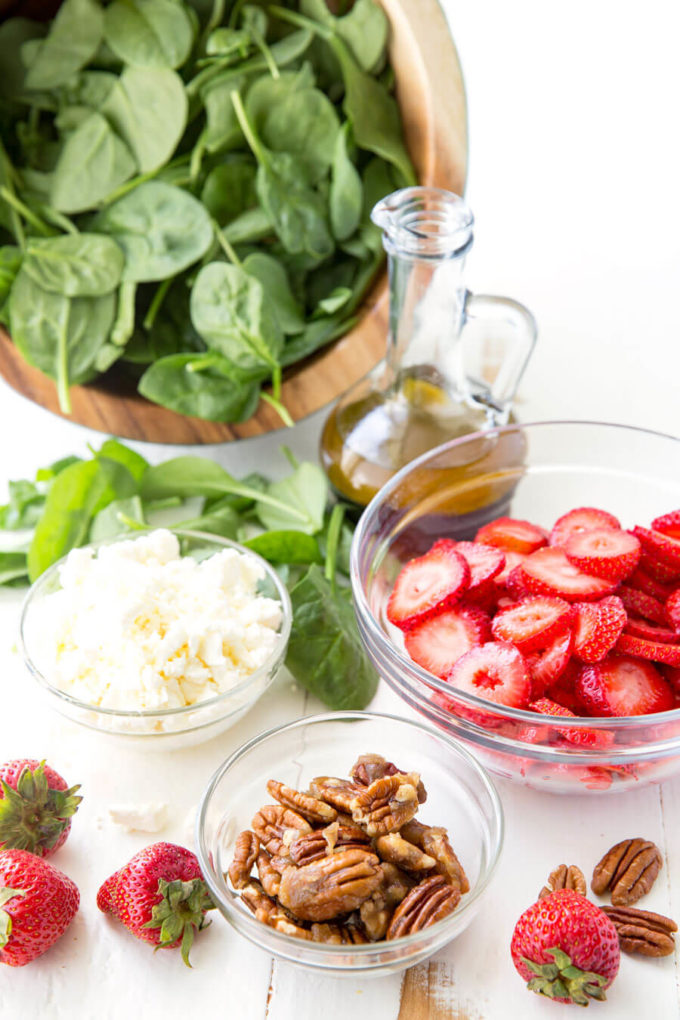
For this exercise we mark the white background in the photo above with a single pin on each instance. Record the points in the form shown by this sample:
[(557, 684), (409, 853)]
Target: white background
[(575, 183)]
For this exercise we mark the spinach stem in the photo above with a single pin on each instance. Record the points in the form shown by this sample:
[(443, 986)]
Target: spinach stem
[(58, 219), (125, 319), (225, 245), (24, 211), (156, 303), (300, 21), (215, 19), (62, 362), (246, 127), (332, 542), (267, 54), (276, 382), (280, 409), (129, 186), (130, 522), (290, 457)]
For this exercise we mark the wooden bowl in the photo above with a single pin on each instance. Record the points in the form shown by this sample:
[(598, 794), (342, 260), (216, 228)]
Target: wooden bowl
[(431, 96)]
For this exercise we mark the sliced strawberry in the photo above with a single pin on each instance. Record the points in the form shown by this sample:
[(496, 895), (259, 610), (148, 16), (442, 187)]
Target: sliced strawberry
[(655, 651), (512, 560), (622, 686), (658, 569), (484, 561), (495, 671), (639, 604), (585, 518), (548, 664), (428, 585), (563, 690), (437, 643), (580, 737), (673, 609), (640, 628), (661, 546), (604, 552), (668, 524), (533, 622), (598, 628), (515, 583), (672, 675), (549, 572), (649, 585), (512, 535)]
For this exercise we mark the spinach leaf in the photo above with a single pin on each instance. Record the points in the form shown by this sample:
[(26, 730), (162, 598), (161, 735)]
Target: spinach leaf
[(13, 34), (149, 33), (46, 474), (230, 312), (205, 386), (10, 263), (148, 108), (132, 461), (161, 229), (302, 497), (229, 189), (72, 40), (364, 29), (303, 122), (93, 162), (316, 334), (275, 284), (346, 194), (26, 501), (285, 547), (250, 226), (117, 518), (13, 567), (222, 521), (325, 653), (223, 130), (77, 265), (89, 88)]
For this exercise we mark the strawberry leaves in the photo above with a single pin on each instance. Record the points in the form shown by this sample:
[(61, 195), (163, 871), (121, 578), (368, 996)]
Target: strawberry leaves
[(563, 980), (180, 913), (34, 816)]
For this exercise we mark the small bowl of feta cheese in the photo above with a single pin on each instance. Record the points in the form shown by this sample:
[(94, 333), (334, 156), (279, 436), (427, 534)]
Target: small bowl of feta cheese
[(167, 636)]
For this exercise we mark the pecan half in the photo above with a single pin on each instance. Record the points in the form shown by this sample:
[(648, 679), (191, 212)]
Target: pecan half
[(386, 804), (434, 841), (268, 912), (331, 886), (399, 851), (321, 842), (246, 849), (376, 912), (641, 931), (429, 902), (270, 877), (311, 808), (564, 877), (628, 870), (369, 767), (338, 934), (337, 792), (277, 827)]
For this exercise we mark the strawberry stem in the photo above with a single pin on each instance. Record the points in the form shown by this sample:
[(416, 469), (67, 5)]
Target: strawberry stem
[(562, 980)]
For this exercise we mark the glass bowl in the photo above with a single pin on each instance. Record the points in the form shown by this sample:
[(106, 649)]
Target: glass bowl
[(535, 472), (460, 797), (164, 729)]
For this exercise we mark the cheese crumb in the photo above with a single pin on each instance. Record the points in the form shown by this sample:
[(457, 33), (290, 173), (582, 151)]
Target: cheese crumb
[(151, 817)]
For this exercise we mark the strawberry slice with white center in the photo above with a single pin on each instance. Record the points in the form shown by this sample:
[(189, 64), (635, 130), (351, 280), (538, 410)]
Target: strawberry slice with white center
[(574, 735), (484, 561), (512, 535), (673, 610), (512, 560), (549, 572), (641, 628), (495, 671), (533, 622), (659, 545), (668, 524), (604, 552), (598, 627), (584, 518), (548, 664), (438, 643), (655, 651), (640, 604), (427, 585), (621, 685)]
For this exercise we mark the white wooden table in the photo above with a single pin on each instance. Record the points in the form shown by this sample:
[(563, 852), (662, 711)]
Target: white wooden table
[(574, 182)]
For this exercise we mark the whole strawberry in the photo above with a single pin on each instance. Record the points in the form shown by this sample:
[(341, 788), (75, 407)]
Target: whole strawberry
[(160, 896), (565, 947), (36, 807), (37, 904)]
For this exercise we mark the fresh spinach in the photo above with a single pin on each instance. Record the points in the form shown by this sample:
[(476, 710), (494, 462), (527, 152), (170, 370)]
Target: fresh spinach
[(301, 499), (149, 33), (207, 386), (365, 29), (73, 39), (76, 265), (148, 108), (275, 283), (346, 195), (92, 163)]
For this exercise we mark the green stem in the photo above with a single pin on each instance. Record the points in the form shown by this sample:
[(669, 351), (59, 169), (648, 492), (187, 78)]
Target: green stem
[(300, 21), (125, 319), (156, 303), (62, 363), (332, 542), (280, 409), (276, 382), (58, 219), (129, 186), (251, 138), (266, 54), (24, 211), (225, 245)]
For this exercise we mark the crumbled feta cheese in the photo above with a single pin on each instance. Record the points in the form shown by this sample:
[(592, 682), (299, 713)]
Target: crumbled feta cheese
[(151, 817), (137, 626)]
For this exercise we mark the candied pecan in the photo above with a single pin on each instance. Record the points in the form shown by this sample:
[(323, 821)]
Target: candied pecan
[(338, 934), (277, 827), (331, 886), (246, 849), (311, 808), (628, 870), (339, 793), (564, 877), (641, 931), (399, 851), (396, 884), (429, 902), (386, 804), (434, 841), (369, 767), (271, 913), (313, 845), (376, 912), (270, 877)]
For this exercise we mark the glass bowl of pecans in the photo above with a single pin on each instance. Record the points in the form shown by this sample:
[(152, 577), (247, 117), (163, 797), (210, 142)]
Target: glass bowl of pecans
[(351, 842)]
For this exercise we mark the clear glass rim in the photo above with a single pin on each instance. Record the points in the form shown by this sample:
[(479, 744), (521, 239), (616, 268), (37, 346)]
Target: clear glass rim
[(36, 590), (320, 951), (404, 664)]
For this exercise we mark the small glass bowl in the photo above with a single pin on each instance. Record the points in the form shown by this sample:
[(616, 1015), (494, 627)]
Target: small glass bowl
[(461, 797), (536, 472), (159, 729)]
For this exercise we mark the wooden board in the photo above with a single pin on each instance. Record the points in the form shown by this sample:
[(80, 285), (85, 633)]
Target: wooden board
[(432, 100)]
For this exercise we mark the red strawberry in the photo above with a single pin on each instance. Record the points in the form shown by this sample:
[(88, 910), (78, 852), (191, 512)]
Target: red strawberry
[(437, 644), (428, 585), (36, 807), (574, 735), (566, 948), (668, 524), (642, 581), (563, 691), (37, 904), (533, 622), (661, 547), (548, 664), (485, 564), (603, 552), (549, 572), (621, 685), (640, 604), (160, 896), (673, 609), (598, 628), (672, 674), (515, 583), (657, 651), (659, 570), (640, 628), (585, 518), (512, 560), (495, 671), (512, 535)]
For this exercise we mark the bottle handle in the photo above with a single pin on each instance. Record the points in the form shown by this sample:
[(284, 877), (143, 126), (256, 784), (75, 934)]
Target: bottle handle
[(497, 339)]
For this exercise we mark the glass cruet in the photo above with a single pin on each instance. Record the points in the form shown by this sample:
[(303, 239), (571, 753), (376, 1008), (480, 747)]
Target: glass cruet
[(453, 360)]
